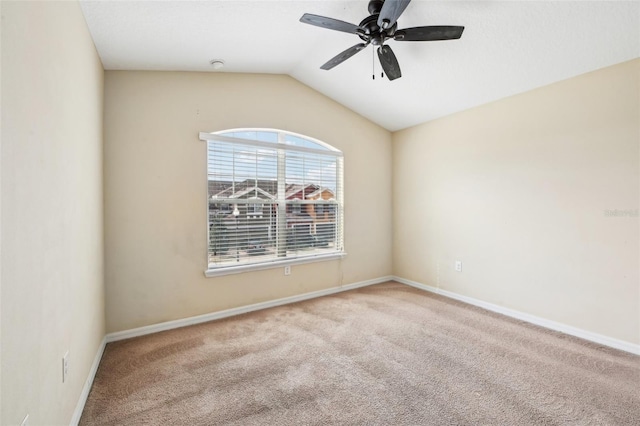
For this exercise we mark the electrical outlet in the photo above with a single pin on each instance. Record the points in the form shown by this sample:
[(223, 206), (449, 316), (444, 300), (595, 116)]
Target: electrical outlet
[(65, 367), (458, 265), (25, 421), (287, 270)]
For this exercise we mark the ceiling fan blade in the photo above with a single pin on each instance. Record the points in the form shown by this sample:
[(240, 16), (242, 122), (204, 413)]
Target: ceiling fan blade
[(432, 33), (341, 57), (330, 23), (390, 12), (389, 62)]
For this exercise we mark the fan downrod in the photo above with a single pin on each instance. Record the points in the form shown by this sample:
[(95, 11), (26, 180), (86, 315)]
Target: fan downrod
[(375, 6)]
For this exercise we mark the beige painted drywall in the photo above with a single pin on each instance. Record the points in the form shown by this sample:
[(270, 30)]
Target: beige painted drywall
[(519, 190), (155, 191), (1, 18), (52, 240)]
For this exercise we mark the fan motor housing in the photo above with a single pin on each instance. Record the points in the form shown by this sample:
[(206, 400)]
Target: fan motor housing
[(372, 32)]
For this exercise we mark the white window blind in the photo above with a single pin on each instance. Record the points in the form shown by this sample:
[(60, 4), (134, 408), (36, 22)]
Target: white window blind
[(273, 196)]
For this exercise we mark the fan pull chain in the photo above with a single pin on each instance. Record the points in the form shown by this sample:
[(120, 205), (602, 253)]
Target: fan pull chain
[(373, 63)]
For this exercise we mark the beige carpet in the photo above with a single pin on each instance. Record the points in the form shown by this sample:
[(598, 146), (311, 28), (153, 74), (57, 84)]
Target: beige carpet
[(386, 354)]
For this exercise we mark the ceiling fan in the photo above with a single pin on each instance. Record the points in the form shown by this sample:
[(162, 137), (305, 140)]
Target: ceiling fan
[(379, 27)]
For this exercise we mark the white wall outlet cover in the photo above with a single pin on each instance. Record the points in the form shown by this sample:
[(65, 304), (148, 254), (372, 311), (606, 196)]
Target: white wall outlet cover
[(287, 270), (459, 265)]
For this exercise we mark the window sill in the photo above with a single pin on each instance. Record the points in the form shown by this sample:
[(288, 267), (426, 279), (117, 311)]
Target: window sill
[(218, 272)]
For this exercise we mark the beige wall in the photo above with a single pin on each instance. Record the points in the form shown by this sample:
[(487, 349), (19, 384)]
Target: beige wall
[(52, 241), (1, 32), (517, 190), (155, 191)]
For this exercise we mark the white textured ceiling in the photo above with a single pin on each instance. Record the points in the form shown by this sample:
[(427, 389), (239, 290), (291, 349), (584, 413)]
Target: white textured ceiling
[(508, 47)]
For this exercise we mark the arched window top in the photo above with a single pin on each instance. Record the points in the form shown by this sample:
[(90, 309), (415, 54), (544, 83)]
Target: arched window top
[(277, 136)]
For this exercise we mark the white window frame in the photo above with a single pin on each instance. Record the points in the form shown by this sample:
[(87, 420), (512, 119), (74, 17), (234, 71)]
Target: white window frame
[(255, 208), (282, 148)]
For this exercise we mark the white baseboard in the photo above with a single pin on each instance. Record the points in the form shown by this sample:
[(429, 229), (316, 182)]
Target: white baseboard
[(87, 384), (563, 328), (169, 325)]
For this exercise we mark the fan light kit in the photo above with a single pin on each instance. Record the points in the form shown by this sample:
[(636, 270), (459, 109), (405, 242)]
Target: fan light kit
[(379, 27)]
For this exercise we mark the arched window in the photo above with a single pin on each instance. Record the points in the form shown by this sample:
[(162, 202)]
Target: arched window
[(274, 198)]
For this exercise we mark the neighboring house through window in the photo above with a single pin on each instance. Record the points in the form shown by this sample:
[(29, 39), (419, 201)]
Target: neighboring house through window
[(274, 197)]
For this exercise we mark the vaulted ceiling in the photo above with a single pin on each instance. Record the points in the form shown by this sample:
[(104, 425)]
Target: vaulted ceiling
[(508, 47)]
